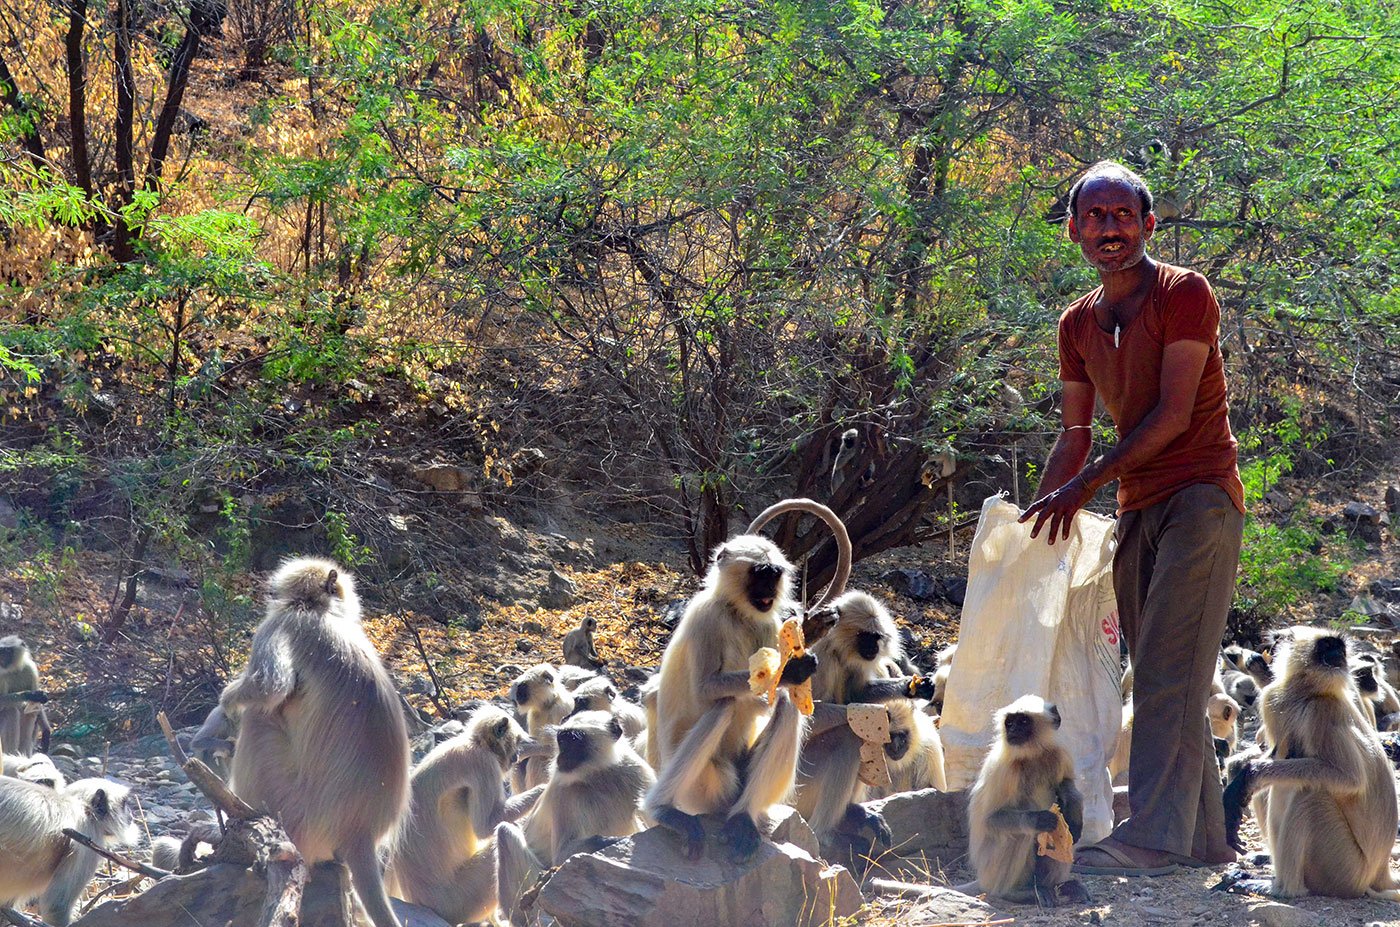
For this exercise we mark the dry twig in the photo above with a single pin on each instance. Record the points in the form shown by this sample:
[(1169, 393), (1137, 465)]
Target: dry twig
[(133, 865)]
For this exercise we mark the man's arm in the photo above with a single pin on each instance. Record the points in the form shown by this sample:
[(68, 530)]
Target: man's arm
[(1071, 449), (1182, 364)]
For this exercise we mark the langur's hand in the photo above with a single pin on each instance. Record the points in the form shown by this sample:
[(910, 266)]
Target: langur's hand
[(1045, 822), (818, 623), (921, 687), (798, 670), (1238, 792), (1059, 508), (37, 697)]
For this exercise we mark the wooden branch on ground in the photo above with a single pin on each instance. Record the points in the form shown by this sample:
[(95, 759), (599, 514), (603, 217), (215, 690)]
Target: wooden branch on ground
[(286, 883), (204, 779), (124, 862), (12, 916)]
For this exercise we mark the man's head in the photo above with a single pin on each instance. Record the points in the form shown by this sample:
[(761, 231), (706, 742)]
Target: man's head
[(1110, 216)]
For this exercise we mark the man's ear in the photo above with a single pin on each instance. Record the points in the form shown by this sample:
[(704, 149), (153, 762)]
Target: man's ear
[(1072, 230), (1149, 225)]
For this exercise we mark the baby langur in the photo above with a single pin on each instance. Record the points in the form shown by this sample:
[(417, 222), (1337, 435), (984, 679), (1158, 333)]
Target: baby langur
[(578, 646), (444, 853), (940, 677), (1330, 818), (38, 860), (1025, 773), (541, 697), (213, 743), (595, 792), (599, 694), (322, 740), (914, 753)]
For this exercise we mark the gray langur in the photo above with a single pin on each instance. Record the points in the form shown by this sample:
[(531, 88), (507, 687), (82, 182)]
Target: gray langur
[(855, 659), (38, 860), (213, 743), (1330, 816), (1222, 712), (941, 672), (1251, 662), (724, 750), (853, 663), (1385, 701), (542, 699), (579, 649), (322, 740), (37, 768), (444, 856), (914, 753), (1025, 773), (20, 716), (595, 792), (846, 452), (1241, 687), (599, 694), (647, 742)]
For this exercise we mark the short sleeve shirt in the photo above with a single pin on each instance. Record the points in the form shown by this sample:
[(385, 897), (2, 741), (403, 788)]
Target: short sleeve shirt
[(1127, 377)]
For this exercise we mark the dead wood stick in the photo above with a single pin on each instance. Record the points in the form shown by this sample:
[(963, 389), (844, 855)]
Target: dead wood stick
[(286, 883), (114, 887), (20, 920), (204, 779), (100, 850)]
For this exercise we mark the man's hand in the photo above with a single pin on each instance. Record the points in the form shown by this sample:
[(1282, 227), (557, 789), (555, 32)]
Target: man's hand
[(1059, 508)]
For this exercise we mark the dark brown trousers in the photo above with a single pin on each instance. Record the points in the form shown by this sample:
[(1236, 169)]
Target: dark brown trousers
[(1174, 573)]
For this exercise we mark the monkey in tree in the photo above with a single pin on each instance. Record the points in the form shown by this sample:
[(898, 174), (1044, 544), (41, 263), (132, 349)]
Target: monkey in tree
[(322, 740), (579, 649)]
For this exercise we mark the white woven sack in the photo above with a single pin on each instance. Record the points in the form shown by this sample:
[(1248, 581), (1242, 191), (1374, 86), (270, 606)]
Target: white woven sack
[(1038, 619)]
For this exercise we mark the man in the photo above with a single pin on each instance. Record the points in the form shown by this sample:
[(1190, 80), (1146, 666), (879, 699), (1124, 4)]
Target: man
[(1146, 342)]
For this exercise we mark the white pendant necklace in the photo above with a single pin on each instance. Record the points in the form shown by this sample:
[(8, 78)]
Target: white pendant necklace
[(1117, 331)]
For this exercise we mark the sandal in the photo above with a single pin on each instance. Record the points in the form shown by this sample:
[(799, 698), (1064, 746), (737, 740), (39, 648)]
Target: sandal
[(1126, 866)]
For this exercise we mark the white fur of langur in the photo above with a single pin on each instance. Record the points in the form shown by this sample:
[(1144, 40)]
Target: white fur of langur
[(37, 768), (18, 674), (940, 677), (1330, 818), (444, 854), (165, 853), (854, 659), (1241, 687), (847, 451), (322, 740), (542, 699), (647, 743), (1025, 773), (579, 649), (599, 694), (722, 749), (914, 753), (595, 791), (213, 743), (38, 860)]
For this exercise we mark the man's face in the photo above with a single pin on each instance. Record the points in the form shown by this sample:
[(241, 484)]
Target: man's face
[(1110, 227)]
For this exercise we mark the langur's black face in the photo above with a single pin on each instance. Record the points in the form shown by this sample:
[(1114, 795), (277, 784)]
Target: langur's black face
[(573, 749), (521, 693), (8, 656), (1366, 680), (1256, 665), (763, 585), (898, 745), (1020, 728), (868, 644), (1330, 651)]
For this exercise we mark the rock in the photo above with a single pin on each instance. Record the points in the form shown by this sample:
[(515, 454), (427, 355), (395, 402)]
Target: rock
[(946, 906), (9, 515), (505, 534), (1276, 914), (1278, 501), (1385, 590), (64, 750), (671, 614), (1361, 512), (788, 827), (561, 592), (11, 612), (647, 881), (927, 824), (169, 576), (1392, 500), (524, 645), (916, 584), (955, 589)]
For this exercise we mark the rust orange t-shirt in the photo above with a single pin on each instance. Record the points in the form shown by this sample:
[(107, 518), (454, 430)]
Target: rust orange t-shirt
[(1127, 378)]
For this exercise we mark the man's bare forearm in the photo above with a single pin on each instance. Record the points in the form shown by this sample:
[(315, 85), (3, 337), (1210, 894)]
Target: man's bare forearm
[(1143, 443), (1066, 459)]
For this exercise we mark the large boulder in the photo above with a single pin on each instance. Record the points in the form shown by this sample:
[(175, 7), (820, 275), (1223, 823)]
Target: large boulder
[(647, 881), (927, 824), (232, 896)]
